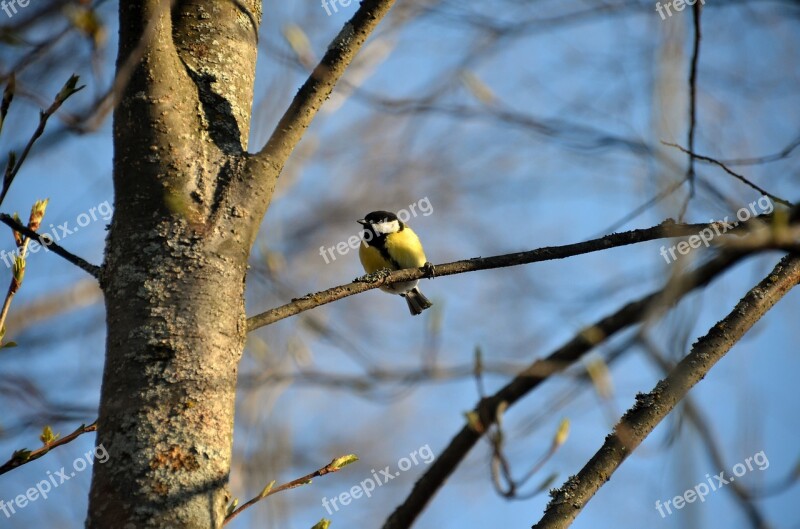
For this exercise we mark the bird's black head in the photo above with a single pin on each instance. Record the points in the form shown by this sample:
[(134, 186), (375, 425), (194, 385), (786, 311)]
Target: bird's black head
[(376, 217), (380, 223)]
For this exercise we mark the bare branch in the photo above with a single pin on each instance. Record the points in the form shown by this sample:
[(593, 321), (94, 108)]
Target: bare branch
[(704, 430), (651, 408), (322, 80), (8, 96), (666, 229), (333, 466), (49, 244), (23, 456), (377, 378), (730, 172), (767, 158), (690, 173), (69, 88), (265, 167), (631, 314)]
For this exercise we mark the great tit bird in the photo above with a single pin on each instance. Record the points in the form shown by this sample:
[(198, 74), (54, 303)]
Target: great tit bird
[(389, 243)]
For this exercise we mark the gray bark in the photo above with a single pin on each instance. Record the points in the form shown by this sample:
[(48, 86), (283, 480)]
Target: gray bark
[(175, 265)]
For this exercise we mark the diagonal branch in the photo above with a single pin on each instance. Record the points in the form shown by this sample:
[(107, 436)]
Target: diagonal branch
[(22, 457), (767, 158), (49, 244), (322, 80), (486, 411), (692, 412), (728, 170), (334, 466), (651, 408), (70, 88), (265, 166)]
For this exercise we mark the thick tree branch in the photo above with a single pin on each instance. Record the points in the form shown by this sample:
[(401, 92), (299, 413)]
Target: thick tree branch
[(652, 407), (323, 79), (666, 229), (94, 116), (135, 20), (265, 166), (709, 438), (484, 414)]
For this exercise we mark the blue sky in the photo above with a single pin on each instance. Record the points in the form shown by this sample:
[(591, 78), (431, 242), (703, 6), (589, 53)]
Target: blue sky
[(495, 186)]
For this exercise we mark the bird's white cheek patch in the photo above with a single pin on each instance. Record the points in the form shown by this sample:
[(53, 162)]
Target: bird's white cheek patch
[(386, 227)]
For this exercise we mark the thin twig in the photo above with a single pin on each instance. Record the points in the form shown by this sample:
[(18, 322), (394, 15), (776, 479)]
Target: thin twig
[(18, 274), (661, 195), (500, 463), (8, 96), (69, 88), (22, 457), (49, 244), (690, 172), (767, 158), (13, 286), (376, 379), (725, 168), (334, 466)]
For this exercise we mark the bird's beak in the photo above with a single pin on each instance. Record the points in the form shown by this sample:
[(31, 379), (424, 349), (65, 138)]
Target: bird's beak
[(362, 222)]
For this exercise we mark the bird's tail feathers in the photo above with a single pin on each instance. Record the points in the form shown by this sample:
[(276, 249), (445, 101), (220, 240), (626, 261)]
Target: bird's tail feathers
[(417, 302)]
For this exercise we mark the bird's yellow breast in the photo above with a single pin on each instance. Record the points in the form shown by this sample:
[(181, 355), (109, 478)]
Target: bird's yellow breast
[(371, 258), (403, 248)]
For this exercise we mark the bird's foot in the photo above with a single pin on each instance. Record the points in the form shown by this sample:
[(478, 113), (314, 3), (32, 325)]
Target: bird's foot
[(430, 270)]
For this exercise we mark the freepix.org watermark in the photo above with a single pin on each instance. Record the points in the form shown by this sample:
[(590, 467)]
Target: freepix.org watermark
[(421, 455), (58, 232), (716, 482), (329, 5), (677, 5), (353, 242), (706, 235), (10, 6), (54, 480)]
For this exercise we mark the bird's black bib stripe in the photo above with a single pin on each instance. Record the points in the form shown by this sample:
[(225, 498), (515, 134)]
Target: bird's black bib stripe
[(379, 243)]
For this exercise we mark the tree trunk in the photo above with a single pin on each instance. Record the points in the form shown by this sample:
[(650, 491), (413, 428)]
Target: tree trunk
[(188, 203), (175, 264)]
